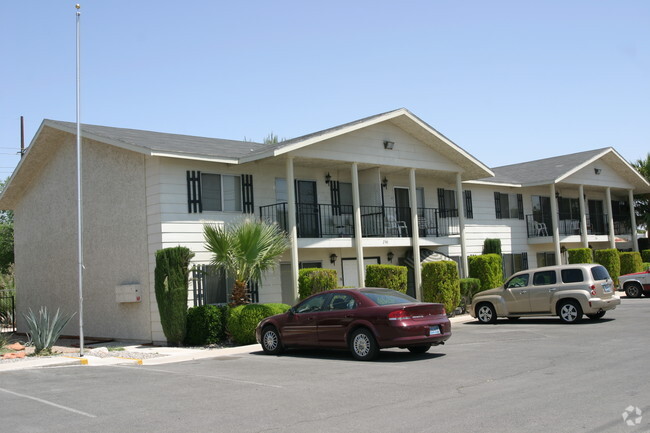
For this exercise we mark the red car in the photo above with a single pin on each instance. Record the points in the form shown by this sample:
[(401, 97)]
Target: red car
[(363, 320)]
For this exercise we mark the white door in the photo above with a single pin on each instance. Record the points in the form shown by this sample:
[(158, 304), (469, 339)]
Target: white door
[(350, 273)]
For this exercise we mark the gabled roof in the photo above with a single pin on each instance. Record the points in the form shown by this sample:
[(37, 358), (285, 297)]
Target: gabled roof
[(558, 168)]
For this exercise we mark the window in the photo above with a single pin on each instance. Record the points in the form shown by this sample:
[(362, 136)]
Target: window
[(221, 192), (447, 203), (518, 281), (312, 304), (342, 301), (280, 190), (513, 263), (600, 273), (545, 259), (345, 197), (572, 276), (508, 206), (544, 278)]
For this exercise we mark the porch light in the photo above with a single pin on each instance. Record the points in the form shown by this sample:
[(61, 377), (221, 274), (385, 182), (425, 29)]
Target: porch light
[(390, 256), (384, 183), (333, 258), (388, 145), (328, 178)]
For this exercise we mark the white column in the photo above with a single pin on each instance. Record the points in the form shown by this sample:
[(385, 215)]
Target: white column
[(556, 226), (293, 231), (583, 218), (460, 205), (635, 243), (358, 234), (415, 236), (610, 218)]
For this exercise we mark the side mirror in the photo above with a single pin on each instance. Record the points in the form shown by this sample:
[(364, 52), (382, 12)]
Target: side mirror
[(291, 311)]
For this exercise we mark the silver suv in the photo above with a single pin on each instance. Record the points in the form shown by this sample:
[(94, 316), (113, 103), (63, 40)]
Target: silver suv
[(567, 291)]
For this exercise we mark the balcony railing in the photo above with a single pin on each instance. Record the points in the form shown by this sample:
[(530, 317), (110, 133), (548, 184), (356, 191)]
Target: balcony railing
[(326, 220), (540, 226)]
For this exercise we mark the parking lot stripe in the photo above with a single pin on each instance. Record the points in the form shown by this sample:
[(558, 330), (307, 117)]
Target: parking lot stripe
[(40, 400)]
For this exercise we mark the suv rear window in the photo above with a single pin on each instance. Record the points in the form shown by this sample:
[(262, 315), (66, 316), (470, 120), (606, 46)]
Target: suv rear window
[(600, 273), (572, 276), (544, 277)]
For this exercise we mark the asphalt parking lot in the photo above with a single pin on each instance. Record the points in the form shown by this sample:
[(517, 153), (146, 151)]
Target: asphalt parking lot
[(533, 375)]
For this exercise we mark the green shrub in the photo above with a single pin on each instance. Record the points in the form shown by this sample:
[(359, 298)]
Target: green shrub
[(630, 263), (44, 330), (468, 288), (206, 324), (243, 320), (581, 255), (170, 281), (488, 269), (645, 266), (315, 280), (440, 283), (492, 246), (645, 255), (388, 276), (609, 258)]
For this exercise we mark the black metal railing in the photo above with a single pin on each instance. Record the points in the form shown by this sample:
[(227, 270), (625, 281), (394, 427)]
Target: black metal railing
[(210, 286), (7, 311), (539, 226)]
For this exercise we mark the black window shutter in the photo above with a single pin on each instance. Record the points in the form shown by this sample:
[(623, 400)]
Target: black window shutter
[(524, 260), (469, 212), (441, 199), (194, 204), (520, 206), (497, 204), (336, 197), (247, 193)]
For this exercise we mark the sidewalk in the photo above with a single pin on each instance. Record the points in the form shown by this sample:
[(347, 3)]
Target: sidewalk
[(168, 354)]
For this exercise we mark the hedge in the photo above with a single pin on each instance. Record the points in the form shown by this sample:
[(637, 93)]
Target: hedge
[(645, 266), (609, 258), (243, 320), (645, 255), (170, 283), (440, 283), (314, 280), (488, 269), (580, 255), (630, 263), (492, 246), (468, 288), (387, 276), (206, 324)]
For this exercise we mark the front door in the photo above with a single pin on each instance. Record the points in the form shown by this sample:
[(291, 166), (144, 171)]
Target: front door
[(544, 286), (516, 294), (307, 208), (403, 207), (350, 273)]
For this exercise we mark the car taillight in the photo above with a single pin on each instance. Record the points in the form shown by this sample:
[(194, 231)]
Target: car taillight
[(593, 290), (398, 315)]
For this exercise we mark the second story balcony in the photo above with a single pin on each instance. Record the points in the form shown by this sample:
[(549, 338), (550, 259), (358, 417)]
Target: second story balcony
[(329, 221), (597, 225)]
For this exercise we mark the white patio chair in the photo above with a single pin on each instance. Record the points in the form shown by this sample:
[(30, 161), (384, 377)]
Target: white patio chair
[(395, 227), (541, 229)]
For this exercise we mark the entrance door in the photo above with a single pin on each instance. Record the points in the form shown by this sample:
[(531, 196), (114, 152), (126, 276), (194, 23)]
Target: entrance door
[(307, 208), (403, 206), (350, 273)]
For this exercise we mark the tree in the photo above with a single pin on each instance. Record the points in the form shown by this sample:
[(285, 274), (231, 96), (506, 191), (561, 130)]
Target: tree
[(245, 250), (6, 236), (642, 205)]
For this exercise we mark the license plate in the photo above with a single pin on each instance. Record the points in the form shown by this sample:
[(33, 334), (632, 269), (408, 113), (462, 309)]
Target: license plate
[(607, 288), (434, 330)]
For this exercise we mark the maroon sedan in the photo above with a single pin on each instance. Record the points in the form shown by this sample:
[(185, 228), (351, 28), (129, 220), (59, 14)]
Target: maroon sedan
[(363, 320)]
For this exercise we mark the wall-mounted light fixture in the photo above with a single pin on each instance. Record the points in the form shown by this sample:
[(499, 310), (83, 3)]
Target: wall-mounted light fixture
[(384, 183), (388, 145), (333, 258), (390, 256), (597, 170), (328, 178), (557, 194)]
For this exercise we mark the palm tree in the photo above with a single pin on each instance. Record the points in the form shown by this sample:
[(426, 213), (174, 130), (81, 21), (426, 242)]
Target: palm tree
[(245, 250), (643, 201)]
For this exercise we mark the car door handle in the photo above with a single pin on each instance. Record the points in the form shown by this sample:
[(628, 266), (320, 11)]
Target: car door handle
[(552, 290), (523, 292)]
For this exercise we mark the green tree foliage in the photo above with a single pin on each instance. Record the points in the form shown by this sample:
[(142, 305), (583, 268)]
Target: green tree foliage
[(171, 281), (243, 320), (630, 263), (245, 250), (609, 258), (580, 255), (440, 283), (492, 246), (645, 254), (6, 236), (315, 280), (642, 205), (387, 276), (487, 268)]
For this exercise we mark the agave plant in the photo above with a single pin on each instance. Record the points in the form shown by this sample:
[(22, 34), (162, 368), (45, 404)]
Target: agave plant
[(45, 329)]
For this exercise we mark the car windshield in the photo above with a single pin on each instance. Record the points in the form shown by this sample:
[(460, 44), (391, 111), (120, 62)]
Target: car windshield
[(388, 297), (599, 273)]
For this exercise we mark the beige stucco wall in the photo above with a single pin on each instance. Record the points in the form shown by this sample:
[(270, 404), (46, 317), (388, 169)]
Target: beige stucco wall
[(115, 240)]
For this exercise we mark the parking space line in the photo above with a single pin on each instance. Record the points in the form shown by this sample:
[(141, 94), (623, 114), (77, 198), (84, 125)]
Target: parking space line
[(40, 400)]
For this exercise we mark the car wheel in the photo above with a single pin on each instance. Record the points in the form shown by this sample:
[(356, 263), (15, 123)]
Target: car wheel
[(596, 316), (363, 345), (633, 290), (271, 343), (419, 349), (485, 313), (570, 312), (514, 317)]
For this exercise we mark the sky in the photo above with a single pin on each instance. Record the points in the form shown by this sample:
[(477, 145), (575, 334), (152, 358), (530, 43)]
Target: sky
[(508, 81)]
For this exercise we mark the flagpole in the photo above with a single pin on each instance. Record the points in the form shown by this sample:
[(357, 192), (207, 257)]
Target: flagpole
[(79, 194)]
